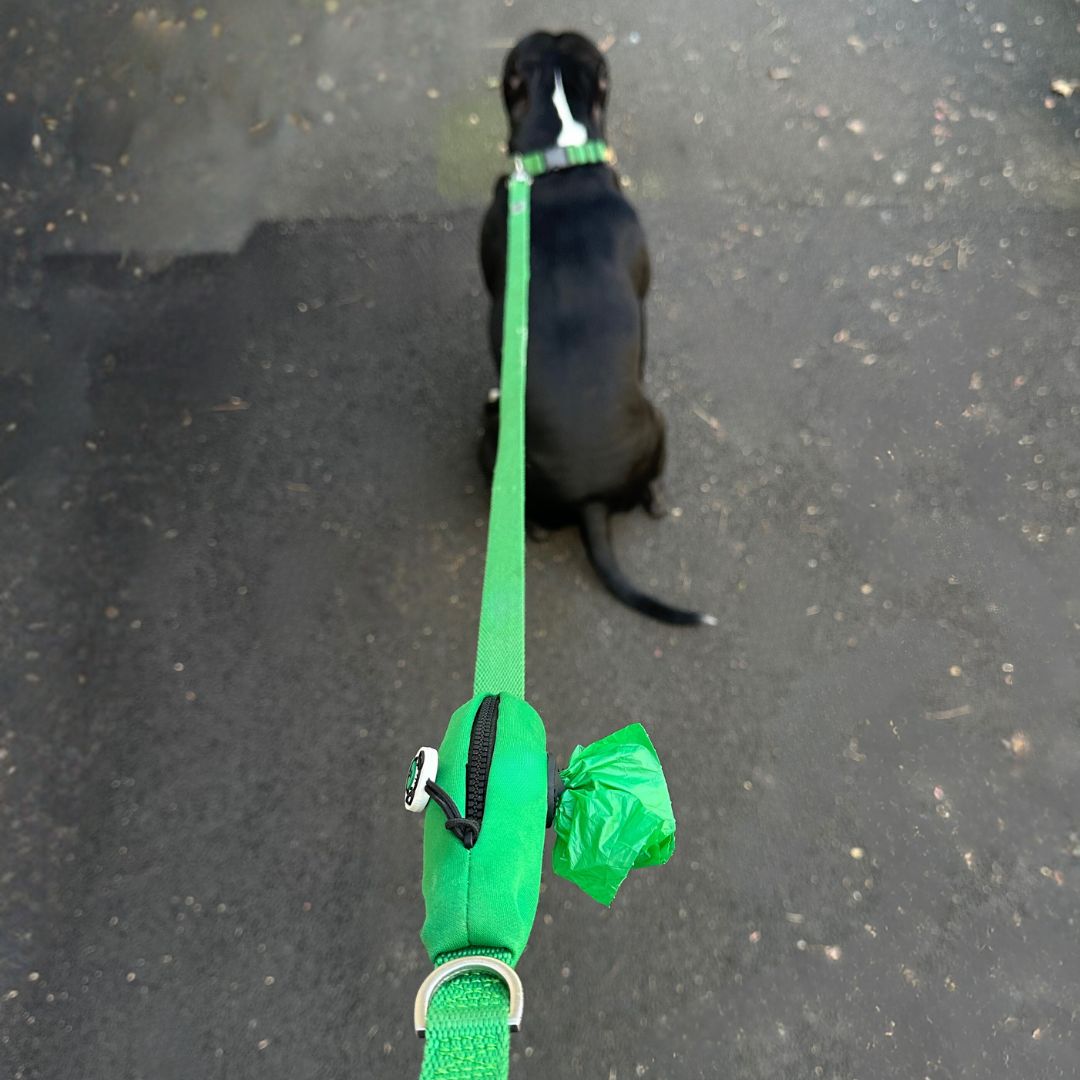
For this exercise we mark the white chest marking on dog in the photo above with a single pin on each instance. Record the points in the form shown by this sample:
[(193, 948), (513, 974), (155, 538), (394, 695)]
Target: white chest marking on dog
[(572, 133)]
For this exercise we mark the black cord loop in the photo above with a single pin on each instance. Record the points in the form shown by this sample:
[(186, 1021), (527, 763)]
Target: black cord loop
[(466, 829)]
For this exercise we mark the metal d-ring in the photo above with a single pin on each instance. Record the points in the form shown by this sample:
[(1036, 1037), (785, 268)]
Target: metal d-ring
[(451, 969)]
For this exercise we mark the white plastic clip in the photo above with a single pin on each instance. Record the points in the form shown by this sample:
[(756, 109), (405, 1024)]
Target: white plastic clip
[(424, 767)]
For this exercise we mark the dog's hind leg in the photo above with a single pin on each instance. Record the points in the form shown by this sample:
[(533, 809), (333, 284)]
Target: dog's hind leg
[(489, 440), (654, 502)]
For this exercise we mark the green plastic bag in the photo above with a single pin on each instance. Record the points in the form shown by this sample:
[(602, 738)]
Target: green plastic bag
[(615, 814)]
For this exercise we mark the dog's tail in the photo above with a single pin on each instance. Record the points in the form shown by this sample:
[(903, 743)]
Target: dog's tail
[(596, 534)]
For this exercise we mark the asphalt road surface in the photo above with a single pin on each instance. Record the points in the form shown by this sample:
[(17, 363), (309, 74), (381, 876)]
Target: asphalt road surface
[(241, 530)]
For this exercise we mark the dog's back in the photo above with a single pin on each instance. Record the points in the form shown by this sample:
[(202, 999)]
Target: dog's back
[(591, 432), (593, 441)]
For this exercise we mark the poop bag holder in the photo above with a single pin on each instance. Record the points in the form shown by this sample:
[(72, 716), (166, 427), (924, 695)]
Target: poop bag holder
[(482, 883), (488, 801)]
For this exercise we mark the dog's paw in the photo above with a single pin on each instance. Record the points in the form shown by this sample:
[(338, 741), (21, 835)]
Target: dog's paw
[(654, 503)]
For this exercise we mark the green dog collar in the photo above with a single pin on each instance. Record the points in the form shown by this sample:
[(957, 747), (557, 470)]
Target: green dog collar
[(555, 158)]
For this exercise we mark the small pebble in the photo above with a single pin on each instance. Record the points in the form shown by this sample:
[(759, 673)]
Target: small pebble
[(1020, 744)]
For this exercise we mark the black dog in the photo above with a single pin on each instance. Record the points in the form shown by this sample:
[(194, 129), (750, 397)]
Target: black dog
[(594, 443)]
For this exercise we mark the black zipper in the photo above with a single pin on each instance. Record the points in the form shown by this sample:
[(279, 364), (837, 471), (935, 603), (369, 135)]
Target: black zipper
[(478, 768)]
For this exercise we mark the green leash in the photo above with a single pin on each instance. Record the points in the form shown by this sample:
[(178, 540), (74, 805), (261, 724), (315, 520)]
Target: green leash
[(491, 782), (500, 648), (467, 1034)]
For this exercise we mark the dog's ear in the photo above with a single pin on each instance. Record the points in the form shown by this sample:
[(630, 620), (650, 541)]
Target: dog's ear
[(592, 66), (511, 80), (513, 92), (600, 100), (520, 74)]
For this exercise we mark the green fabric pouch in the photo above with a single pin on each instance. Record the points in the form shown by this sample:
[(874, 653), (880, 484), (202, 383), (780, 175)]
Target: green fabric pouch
[(484, 898)]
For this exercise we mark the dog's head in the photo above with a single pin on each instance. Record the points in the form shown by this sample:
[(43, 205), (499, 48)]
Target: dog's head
[(555, 88)]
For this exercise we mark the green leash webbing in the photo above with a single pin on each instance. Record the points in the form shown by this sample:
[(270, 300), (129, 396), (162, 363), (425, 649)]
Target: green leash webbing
[(500, 649), (467, 1036)]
